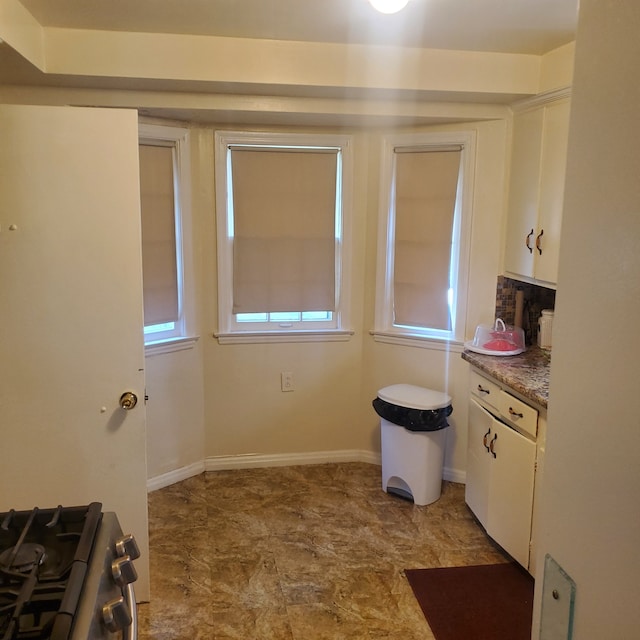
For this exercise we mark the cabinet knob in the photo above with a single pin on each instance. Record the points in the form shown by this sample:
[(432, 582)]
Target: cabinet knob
[(526, 241), (481, 389), (515, 414), (484, 440)]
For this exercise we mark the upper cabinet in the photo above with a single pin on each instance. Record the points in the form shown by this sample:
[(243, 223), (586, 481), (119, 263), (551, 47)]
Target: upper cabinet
[(536, 190)]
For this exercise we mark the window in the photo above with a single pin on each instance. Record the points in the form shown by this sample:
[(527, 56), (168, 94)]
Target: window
[(282, 203), (164, 162), (425, 225)]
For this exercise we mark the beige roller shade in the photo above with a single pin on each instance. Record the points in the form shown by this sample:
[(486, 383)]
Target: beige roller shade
[(426, 185), (284, 230), (159, 266)]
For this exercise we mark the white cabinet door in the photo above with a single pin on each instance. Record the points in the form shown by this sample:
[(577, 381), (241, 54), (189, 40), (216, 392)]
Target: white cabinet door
[(71, 313), (552, 175), (511, 491), (536, 191), (500, 479), (524, 192), (478, 462)]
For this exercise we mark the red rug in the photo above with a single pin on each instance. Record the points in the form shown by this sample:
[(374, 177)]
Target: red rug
[(486, 602)]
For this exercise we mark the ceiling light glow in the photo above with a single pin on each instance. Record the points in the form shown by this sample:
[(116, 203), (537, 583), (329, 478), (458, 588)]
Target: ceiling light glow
[(389, 6)]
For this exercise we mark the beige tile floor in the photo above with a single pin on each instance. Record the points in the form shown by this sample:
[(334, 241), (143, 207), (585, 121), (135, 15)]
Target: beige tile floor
[(298, 553)]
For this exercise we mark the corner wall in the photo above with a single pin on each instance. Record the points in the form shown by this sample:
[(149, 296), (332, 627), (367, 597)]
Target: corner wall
[(590, 517), (246, 413)]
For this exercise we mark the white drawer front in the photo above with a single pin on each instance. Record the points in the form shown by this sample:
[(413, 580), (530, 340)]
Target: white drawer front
[(521, 415), (485, 390)]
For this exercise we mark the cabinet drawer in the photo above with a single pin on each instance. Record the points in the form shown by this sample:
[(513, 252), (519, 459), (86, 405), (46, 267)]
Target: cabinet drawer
[(521, 415), (485, 390)]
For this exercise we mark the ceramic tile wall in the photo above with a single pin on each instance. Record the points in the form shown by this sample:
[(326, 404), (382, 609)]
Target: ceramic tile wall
[(536, 298)]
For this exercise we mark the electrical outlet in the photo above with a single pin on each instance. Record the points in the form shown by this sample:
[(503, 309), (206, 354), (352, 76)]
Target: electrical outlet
[(286, 381)]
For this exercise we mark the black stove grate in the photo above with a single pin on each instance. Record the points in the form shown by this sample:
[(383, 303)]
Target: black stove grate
[(43, 562)]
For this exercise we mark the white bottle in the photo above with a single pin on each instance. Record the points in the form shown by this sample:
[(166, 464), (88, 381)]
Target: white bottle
[(545, 328)]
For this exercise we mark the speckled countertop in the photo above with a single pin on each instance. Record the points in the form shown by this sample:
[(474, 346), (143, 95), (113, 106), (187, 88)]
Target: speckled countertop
[(527, 373)]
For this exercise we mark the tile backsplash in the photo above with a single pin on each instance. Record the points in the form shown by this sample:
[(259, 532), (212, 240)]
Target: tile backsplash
[(536, 298)]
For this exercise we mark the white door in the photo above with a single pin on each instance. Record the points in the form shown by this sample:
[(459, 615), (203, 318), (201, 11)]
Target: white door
[(71, 314)]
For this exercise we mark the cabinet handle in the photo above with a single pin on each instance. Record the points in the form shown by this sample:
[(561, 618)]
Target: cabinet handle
[(527, 241), (484, 440), (482, 390), (493, 453), (538, 241), (515, 414)]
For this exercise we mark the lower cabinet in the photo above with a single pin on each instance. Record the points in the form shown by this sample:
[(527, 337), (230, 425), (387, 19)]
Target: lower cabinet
[(500, 481)]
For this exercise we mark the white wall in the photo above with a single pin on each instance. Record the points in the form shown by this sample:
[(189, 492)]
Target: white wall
[(591, 491), (223, 401), (246, 413)]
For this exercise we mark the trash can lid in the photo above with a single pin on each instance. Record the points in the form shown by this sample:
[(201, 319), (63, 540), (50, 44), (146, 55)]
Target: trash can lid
[(413, 397)]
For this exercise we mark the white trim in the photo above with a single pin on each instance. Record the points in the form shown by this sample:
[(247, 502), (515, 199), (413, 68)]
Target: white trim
[(541, 99), (408, 340), (454, 475), (226, 330), (386, 233), (258, 461), (179, 139), (256, 337), (170, 345), (177, 475)]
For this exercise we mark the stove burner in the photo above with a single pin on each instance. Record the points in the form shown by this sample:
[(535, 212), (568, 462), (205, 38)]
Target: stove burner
[(28, 556)]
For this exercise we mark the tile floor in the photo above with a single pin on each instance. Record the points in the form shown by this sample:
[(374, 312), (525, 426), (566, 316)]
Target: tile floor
[(298, 553)]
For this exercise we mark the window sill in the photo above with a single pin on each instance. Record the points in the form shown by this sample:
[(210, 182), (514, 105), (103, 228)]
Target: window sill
[(255, 337), (169, 345), (413, 340)]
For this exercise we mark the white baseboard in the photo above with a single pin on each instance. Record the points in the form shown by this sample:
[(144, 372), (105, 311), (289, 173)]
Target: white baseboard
[(171, 477), (454, 475), (255, 461)]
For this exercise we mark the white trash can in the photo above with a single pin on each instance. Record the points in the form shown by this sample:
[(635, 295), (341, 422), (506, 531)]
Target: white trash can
[(413, 437)]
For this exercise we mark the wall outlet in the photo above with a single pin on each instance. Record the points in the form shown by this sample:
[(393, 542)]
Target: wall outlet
[(286, 381)]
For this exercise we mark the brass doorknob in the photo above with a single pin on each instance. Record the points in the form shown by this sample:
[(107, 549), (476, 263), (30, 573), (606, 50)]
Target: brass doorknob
[(128, 400)]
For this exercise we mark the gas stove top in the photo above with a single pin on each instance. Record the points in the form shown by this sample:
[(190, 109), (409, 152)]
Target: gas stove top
[(65, 574)]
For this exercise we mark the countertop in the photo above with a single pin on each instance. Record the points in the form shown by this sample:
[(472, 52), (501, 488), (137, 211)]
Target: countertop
[(526, 373)]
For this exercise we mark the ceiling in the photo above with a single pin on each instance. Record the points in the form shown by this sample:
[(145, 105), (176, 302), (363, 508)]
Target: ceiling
[(501, 26), (505, 26)]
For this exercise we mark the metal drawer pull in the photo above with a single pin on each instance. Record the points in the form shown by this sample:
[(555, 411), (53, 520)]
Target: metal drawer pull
[(538, 241), (514, 414), (493, 453), (527, 241), (484, 439), (482, 390)]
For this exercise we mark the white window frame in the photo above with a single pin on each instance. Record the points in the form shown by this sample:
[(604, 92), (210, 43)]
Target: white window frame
[(229, 329), (182, 335), (384, 328)]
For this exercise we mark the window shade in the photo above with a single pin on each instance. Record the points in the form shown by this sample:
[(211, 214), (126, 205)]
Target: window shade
[(159, 266), (426, 186), (284, 206)]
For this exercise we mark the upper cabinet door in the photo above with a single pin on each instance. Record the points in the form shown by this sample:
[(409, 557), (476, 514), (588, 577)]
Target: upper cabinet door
[(536, 192), (552, 177), (524, 191), (71, 308)]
